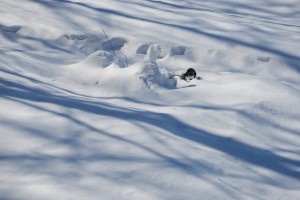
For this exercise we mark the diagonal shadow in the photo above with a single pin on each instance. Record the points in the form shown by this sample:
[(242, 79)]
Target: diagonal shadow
[(291, 59), (230, 146)]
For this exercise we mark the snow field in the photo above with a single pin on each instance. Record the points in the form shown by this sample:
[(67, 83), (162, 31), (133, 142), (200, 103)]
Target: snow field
[(78, 123)]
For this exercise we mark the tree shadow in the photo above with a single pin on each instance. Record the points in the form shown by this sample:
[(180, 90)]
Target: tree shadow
[(260, 43), (249, 116), (247, 153), (291, 59), (31, 95)]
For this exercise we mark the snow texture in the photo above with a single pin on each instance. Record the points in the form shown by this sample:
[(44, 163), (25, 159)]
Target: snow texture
[(86, 117)]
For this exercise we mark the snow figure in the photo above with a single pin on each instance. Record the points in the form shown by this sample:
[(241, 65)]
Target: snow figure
[(151, 72)]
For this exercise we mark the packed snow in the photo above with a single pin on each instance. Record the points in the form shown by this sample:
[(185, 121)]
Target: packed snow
[(88, 109)]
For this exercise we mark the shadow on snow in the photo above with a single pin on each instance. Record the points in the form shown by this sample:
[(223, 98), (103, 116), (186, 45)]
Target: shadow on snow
[(28, 95)]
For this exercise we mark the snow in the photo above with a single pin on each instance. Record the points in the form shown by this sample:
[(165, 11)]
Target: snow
[(78, 122)]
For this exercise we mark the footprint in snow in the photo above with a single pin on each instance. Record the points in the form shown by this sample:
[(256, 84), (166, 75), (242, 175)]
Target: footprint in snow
[(177, 51), (116, 42), (143, 49)]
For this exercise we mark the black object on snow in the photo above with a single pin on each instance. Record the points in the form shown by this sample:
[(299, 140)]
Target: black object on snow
[(188, 75)]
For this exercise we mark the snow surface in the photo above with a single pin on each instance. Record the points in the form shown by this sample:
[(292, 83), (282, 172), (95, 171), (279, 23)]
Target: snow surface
[(78, 122)]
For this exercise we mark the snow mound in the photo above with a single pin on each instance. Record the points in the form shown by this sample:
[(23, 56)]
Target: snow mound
[(99, 59), (152, 74), (153, 53), (109, 72), (154, 77)]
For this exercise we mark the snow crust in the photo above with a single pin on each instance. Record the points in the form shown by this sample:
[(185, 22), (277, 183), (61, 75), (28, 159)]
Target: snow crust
[(83, 117)]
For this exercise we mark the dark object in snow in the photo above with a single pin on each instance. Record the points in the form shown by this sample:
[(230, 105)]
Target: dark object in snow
[(188, 75)]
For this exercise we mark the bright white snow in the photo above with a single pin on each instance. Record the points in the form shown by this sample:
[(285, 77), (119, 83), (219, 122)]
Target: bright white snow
[(78, 123)]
